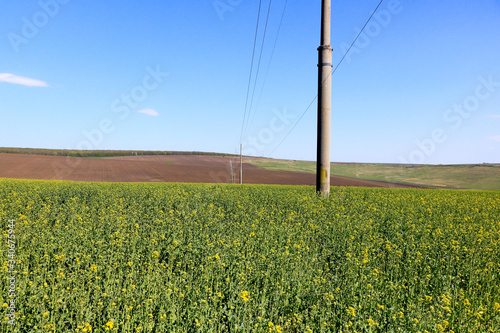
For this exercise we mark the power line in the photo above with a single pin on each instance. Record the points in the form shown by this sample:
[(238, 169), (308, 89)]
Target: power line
[(271, 58), (251, 71), (356, 39), (258, 66), (296, 123), (331, 74)]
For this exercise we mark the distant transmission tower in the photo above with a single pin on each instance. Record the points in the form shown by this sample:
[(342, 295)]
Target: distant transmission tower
[(231, 170), (241, 164)]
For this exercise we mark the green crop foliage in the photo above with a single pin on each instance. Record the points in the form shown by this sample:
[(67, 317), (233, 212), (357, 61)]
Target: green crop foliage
[(135, 257)]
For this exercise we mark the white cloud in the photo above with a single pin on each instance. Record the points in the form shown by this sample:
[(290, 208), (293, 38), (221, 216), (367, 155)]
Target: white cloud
[(25, 81), (494, 116), (149, 112), (494, 138)]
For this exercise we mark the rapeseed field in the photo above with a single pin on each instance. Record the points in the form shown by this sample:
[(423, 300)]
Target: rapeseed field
[(136, 257)]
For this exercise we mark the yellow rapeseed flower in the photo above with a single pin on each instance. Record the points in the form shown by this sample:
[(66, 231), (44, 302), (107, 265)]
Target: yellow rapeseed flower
[(245, 295), (109, 325)]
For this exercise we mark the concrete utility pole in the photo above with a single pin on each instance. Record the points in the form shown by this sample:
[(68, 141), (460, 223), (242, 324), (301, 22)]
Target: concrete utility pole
[(241, 163), (324, 103)]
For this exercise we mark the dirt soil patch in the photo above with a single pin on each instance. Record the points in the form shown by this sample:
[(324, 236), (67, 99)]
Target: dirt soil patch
[(170, 168)]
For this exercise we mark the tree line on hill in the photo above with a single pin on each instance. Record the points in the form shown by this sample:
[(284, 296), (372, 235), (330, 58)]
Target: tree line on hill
[(102, 153)]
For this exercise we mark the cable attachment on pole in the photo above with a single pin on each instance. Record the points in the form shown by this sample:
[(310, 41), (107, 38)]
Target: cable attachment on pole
[(322, 48)]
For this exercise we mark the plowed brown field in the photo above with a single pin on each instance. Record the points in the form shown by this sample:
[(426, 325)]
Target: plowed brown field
[(170, 168)]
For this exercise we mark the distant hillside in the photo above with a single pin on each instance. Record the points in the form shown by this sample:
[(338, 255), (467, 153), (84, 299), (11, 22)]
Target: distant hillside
[(466, 176)]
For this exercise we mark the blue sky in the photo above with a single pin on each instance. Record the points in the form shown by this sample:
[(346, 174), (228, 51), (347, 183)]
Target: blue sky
[(421, 85)]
